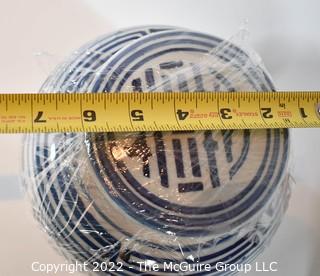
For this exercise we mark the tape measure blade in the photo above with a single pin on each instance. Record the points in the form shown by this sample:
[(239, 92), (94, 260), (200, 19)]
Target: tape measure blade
[(156, 111)]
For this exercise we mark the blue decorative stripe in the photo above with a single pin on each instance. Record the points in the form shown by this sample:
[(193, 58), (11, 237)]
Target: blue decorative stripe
[(244, 152), (194, 157), (190, 187), (178, 157), (211, 145)]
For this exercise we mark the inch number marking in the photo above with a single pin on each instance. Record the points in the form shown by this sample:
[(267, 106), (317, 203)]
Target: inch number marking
[(39, 118), (303, 113), (89, 116), (182, 115), (266, 112), (225, 113), (137, 115)]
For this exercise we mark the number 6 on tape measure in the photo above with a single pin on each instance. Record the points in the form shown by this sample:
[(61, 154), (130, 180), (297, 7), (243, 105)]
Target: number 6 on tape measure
[(89, 116)]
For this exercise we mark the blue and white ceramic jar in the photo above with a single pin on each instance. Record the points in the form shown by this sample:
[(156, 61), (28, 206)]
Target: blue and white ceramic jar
[(195, 197)]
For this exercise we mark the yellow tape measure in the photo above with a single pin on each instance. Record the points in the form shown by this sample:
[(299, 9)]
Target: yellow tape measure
[(117, 112)]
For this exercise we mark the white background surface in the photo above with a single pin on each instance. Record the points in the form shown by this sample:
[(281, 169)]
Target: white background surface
[(37, 34)]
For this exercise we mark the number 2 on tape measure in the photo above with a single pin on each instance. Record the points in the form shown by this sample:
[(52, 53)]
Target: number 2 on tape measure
[(266, 113)]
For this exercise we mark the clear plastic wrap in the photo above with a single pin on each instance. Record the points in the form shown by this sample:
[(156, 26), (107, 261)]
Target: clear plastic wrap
[(163, 202)]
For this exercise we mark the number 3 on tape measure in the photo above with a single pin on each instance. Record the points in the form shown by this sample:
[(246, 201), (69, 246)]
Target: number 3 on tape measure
[(225, 113)]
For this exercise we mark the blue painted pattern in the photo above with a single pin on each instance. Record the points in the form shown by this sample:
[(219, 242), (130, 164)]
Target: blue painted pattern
[(98, 205)]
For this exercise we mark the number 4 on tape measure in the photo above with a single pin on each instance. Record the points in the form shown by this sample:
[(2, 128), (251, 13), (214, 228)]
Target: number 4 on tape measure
[(182, 115)]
